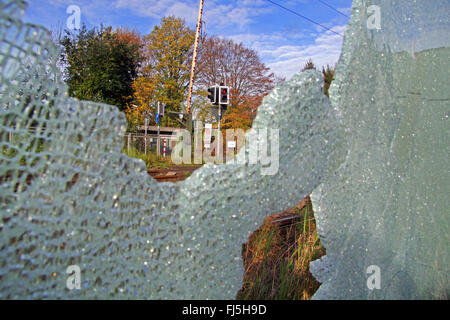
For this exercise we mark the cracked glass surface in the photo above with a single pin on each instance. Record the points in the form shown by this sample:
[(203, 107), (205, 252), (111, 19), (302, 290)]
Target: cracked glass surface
[(387, 204), (375, 159)]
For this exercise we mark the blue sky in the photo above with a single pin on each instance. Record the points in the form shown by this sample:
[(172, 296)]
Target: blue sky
[(283, 40)]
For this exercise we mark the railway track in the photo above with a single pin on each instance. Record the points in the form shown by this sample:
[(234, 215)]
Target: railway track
[(172, 174)]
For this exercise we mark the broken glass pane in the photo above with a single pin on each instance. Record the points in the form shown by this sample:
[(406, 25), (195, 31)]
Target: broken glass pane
[(374, 158), (387, 205)]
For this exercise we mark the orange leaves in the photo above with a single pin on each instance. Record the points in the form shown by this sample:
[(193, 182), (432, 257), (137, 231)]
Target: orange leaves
[(129, 36), (242, 114)]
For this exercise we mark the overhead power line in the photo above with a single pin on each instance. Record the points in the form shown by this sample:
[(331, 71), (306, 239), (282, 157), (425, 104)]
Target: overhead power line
[(329, 6), (306, 18)]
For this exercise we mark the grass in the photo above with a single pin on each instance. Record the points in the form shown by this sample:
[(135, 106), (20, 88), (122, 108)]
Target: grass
[(187, 174), (277, 255), (151, 160)]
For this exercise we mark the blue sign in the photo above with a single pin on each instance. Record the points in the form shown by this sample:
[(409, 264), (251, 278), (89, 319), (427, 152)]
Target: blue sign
[(157, 118)]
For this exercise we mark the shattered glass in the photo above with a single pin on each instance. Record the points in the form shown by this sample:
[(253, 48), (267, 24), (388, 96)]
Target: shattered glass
[(374, 157), (387, 205)]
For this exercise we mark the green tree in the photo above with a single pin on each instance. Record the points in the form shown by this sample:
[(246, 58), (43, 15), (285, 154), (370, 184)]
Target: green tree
[(101, 65)]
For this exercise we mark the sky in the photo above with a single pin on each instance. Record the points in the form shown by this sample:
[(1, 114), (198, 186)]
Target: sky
[(284, 41)]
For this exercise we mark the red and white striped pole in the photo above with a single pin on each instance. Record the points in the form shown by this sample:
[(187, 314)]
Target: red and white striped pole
[(194, 56), (164, 149)]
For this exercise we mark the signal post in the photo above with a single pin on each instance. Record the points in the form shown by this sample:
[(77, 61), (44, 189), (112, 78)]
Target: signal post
[(219, 96)]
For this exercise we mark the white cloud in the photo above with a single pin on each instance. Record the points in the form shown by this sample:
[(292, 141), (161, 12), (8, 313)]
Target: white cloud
[(157, 8), (326, 49), (216, 13), (253, 40), (183, 10), (287, 59)]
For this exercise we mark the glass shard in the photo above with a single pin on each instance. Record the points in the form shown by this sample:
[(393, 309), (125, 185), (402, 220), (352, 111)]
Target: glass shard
[(376, 157)]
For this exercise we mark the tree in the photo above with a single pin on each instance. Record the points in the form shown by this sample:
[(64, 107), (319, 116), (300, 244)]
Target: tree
[(309, 65), (328, 77), (243, 114), (132, 38), (165, 75), (143, 93), (222, 60), (101, 65), (328, 74)]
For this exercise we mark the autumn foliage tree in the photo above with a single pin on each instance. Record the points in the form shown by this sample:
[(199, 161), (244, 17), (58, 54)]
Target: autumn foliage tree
[(165, 74), (223, 60), (242, 115)]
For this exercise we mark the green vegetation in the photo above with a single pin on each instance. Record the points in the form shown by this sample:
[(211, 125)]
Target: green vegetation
[(187, 174), (32, 149), (166, 72), (277, 255), (101, 64), (151, 160), (328, 77), (309, 65), (328, 74)]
